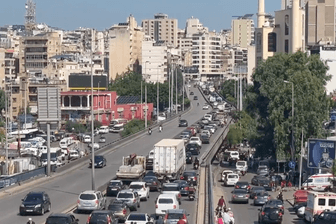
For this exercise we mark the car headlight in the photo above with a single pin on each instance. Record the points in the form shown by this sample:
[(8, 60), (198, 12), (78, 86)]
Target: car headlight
[(22, 205), (37, 206)]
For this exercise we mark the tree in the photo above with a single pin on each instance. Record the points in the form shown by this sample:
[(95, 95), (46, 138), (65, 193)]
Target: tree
[(2, 100), (270, 101)]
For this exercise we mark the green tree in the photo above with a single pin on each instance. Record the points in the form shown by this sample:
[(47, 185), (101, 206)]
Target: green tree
[(2, 100), (270, 101), (133, 127)]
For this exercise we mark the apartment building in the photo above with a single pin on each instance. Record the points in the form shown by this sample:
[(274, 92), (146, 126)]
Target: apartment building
[(185, 45), (125, 47), (161, 28), (242, 31), (9, 66), (193, 26), (39, 49)]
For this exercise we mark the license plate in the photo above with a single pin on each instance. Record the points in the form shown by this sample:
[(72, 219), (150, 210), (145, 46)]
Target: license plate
[(114, 189), (29, 210), (240, 196)]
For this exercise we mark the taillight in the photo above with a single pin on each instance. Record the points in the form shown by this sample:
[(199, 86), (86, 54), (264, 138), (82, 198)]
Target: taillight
[(280, 214), (174, 207), (234, 196), (166, 217), (237, 186), (109, 219), (181, 178), (88, 220), (247, 195), (156, 206), (78, 201), (124, 211), (263, 213), (154, 183), (282, 207), (186, 188), (134, 200), (255, 197), (195, 178), (97, 202), (179, 195), (248, 187)]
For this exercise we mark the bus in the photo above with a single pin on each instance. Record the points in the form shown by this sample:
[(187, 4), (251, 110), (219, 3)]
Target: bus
[(55, 156)]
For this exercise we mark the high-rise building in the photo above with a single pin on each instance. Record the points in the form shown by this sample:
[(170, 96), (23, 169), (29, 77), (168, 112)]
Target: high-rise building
[(193, 26), (125, 47), (242, 31), (161, 28)]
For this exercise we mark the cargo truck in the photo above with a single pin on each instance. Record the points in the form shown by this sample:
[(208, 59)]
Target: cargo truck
[(169, 159), (133, 167)]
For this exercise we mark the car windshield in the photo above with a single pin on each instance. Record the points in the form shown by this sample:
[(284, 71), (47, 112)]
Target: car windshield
[(275, 202), (233, 176), (136, 186), (240, 191), (58, 220), (262, 193), (115, 207), (136, 217), (189, 174), (149, 179), (166, 201), (98, 218), (87, 197), (242, 183), (241, 163), (170, 188), (125, 195), (115, 184), (33, 197), (175, 216)]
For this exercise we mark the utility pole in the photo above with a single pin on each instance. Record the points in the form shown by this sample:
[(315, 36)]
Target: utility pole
[(183, 93), (301, 154), (172, 89), (6, 117), (92, 130), (25, 109), (169, 71), (176, 108), (98, 101), (241, 90)]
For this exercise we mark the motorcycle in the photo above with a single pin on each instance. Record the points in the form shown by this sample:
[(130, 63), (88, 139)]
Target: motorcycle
[(280, 196), (231, 216), (149, 132), (160, 129), (196, 165), (191, 194)]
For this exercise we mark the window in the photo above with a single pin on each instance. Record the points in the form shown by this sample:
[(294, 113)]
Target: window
[(321, 201), (332, 202), (272, 42), (286, 46), (286, 25), (259, 40)]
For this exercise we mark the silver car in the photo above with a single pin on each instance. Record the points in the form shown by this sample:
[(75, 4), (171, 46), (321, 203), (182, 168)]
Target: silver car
[(130, 198), (261, 198), (90, 200), (173, 216)]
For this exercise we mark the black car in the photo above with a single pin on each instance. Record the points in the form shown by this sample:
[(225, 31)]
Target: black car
[(191, 93), (120, 209), (184, 187), (255, 179), (149, 163), (276, 203), (189, 158), (61, 218), (114, 186), (205, 139), (325, 217), (150, 174), (102, 217), (35, 202), (195, 98), (269, 214), (243, 185), (99, 161), (193, 148), (183, 123), (256, 190), (265, 183), (190, 176), (152, 182)]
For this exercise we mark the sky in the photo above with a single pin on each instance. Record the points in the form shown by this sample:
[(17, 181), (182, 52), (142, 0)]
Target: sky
[(102, 14)]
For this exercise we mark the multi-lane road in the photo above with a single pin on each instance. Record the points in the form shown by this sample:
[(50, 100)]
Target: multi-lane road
[(65, 188)]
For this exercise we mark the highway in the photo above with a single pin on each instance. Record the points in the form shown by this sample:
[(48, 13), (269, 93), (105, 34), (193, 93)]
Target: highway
[(64, 189)]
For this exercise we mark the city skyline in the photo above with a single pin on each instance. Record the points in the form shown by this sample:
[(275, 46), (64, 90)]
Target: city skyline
[(70, 15)]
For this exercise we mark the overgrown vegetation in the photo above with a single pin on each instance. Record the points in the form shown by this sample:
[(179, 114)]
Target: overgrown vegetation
[(133, 127)]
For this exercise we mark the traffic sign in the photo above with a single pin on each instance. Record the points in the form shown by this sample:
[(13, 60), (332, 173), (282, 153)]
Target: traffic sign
[(291, 164)]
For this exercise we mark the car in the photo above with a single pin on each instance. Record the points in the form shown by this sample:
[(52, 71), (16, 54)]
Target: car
[(205, 107), (114, 186), (231, 179), (165, 202), (184, 186), (224, 173), (104, 130), (63, 218), (269, 214), (130, 198), (300, 209), (102, 217), (255, 190), (300, 196), (90, 200), (185, 135), (192, 130), (263, 171), (183, 123), (326, 217), (35, 202), (255, 179), (210, 128), (190, 176), (141, 188), (195, 97), (95, 146), (189, 158), (151, 154), (193, 148), (191, 93), (241, 166), (261, 198), (207, 132), (150, 174), (197, 127), (266, 183), (205, 138), (172, 188), (243, 185), (139, 218), (74, 154), (99, 161), (276, 203), (120, 209), (149, 164), (173, 216), (152, 182), (240, 195), (102, 139)]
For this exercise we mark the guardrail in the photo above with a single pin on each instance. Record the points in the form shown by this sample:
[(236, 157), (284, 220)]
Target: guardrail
[(18, 178)]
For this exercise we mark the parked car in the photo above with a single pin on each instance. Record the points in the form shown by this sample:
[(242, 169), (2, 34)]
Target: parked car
[(63, 218), (102, 217), (261, 198), (99, 161), (243, 185), (139, 218), (183, 123), (189, 158), (173, 216), (152, 182), (190, 176), (193, 148), (35, 203), (114, 186), (240, 195), (269, 214), (141, 188), (120, 209), (130, 197), (256, 190), (90, 200), (165, 202)]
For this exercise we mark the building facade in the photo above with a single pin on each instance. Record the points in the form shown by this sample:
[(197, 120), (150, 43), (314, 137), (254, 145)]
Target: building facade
[(242, 31)]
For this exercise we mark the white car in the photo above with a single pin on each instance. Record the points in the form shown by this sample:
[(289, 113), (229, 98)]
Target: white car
[(165, 202), (74, 154), (196, 140), (141, 188), (95, 146), (207, 132), (205, 107), (231, 179), (139, 218), (241, 166), (224, 173), (87, 138), (151, 154)]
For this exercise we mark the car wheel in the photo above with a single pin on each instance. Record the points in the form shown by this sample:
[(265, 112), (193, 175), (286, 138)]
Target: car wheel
[(42, 211), (139, 205), (22, 213), (49, 208)]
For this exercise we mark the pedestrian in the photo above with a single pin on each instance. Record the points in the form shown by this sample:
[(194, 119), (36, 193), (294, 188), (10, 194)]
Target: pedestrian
[(226, 217), (220, 219), (181, 221), (30, 221), (221, 203)]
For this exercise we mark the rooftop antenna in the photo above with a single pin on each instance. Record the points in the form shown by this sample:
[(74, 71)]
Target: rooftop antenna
[(30, 17)]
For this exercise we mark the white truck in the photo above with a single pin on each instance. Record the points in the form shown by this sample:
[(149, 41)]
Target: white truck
[(169, 158), (133, 167)]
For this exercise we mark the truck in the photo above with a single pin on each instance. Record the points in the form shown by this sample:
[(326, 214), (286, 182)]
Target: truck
[(169, 159), (132, 167), (55, 157)]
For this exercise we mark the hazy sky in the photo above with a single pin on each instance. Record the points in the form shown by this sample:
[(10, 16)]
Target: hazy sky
[(101, 14)]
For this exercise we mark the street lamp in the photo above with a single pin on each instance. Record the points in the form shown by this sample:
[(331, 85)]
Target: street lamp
[(293, 147), (92, 129), (98, 101), (157, 94), (145, 94)]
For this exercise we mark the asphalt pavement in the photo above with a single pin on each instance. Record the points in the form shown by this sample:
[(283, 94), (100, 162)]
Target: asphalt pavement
[(65, 188)]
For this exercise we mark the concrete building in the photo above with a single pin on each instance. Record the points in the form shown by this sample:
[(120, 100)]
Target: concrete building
[(9, 66), (287, 35), (161, 28), (125, 47), (320, 22), (242, 31), (185, 45), (193, 26)]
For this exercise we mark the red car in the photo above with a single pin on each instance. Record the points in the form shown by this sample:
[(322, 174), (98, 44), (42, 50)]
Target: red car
[(193, 130), (300, 196)]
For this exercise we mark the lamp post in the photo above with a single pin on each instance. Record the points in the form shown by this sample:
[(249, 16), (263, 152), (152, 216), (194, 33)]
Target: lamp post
[(98, 101), (92, 130), (145, 95), (157, 94), (6, 116), (292, 148)]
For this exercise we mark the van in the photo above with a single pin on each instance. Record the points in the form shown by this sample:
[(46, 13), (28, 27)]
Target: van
[(318, 182), (165, 202), (65, 142), (117, 128), (56, 157), (118, 121), (208, 117), (318, 202), (87, 139), (104, 130)]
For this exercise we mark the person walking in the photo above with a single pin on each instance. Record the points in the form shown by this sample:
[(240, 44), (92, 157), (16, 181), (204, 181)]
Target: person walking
[(221, 203), (30, 221)]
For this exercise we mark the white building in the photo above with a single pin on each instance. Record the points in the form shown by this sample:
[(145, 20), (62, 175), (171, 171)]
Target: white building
[(193, 26), (328, 54)]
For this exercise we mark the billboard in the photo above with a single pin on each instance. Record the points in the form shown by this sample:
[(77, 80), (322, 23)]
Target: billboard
[(321, 153), (83, 82)]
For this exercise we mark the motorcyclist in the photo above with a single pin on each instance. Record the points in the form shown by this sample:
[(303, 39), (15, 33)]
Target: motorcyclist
[(160, 128), (149, 131), (30, 221), (221, 203), (196, 162)]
